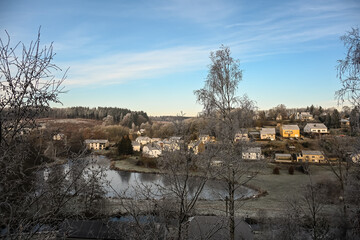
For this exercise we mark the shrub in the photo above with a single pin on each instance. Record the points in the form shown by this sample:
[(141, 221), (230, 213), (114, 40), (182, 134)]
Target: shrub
[(291, 170), (276, 170)]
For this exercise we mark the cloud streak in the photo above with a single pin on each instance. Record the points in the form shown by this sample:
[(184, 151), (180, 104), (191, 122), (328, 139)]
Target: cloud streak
[(121, 68)]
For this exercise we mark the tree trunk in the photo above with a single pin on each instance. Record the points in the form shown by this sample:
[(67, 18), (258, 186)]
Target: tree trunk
[(231, 211)]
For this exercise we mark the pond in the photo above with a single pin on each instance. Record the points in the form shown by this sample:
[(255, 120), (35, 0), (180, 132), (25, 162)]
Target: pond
[(134, 185)]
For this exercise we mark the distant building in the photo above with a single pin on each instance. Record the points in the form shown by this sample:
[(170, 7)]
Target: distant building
[(204, 138), (136, 146), (241, 135), (283, 158), (288, 131), (197, 147), (252, 153), (304, 116), (96, 144), (151, 151), (267, 133), (143, 140), (311, 156), (59, 137), (345, 122), (315, 128)]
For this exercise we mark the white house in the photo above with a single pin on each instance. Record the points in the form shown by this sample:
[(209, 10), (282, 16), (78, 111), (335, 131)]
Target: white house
[(267, 133), (315, 128), (136, 146), (96, 144), (151, 151), (252, 153), (175, 139), (143, 140)]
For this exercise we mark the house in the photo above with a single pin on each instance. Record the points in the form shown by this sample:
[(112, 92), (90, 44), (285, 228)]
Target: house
[(197, 147), (141, 132), (136, 146), (283, 158), (254, 134), (155, 140), (241, 135), (59, 137), (315, 128), (252, 153), (96, 144), (170, 146), (312, 156), (175, 139), (279, 117), (151, 151), (288, 131), (204, 138), (267, 133), (345, 122), (304, 116), (143, 140)]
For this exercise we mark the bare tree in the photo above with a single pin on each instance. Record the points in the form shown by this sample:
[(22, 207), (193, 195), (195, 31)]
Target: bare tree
[(349, 68), (28, 85), (227, 113), (186, 175)]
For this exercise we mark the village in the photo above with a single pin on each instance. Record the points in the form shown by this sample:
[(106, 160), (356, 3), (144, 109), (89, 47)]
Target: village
[(283, 143)]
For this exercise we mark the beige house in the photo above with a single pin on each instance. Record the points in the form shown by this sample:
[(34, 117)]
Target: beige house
[(315, 128), (241, 135), (311, 156), (267, 133), (136, 146), (96, 144), (304, 116), (204, 138)]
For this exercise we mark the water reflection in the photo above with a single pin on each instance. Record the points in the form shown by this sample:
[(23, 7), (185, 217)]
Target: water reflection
[(147, 185)]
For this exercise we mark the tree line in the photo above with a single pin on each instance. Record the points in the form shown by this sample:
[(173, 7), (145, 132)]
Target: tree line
[(118, 114)]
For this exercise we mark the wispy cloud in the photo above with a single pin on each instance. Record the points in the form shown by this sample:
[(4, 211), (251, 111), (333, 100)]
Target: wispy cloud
[(121, 68)]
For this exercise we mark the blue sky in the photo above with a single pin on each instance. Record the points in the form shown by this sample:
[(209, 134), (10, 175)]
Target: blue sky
[(152, 55)]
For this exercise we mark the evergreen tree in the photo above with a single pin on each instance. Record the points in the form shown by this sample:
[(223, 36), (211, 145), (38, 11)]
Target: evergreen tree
[(124, 146), (335, 119)]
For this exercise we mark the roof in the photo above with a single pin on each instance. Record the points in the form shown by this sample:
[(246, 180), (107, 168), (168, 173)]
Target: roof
[(253, 150), (312, 152), (267, 131), (142, 138), (282, 155), (290, 127), (316, 125), (87, 141)]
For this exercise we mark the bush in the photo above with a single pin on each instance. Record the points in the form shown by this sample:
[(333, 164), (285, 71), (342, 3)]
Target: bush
[(276, 170), (291, 170), (305, 144)]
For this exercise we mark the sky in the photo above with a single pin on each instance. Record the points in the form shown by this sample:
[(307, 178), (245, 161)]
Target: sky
[(151, 55)]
